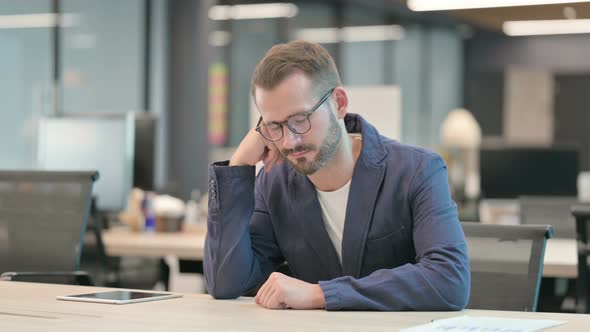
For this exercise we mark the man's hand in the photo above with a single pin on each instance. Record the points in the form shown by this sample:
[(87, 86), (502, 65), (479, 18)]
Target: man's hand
[(282, 292), (255, 148)]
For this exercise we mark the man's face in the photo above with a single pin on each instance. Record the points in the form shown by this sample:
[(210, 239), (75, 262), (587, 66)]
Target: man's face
[(310, 151)]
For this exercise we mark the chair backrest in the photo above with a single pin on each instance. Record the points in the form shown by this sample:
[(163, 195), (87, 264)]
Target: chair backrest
[(506, 265), (582, 215), (43, 216), (549, 210)]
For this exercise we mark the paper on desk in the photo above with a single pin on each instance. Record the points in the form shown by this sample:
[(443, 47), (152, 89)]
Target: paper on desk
[(485, 324)]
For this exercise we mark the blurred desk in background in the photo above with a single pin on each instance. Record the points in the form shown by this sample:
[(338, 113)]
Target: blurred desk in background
[(560, 255), (561, 259), (178, 251), (188, 244)]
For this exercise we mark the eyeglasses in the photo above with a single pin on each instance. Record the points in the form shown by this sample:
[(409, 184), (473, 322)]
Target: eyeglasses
[(298, 123)]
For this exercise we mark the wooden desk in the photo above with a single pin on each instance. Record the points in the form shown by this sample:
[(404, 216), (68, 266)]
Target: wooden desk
[(190, 244), (27, 307)]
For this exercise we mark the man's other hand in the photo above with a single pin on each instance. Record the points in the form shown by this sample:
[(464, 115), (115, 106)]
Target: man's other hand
[(282, 292), (253, 149)]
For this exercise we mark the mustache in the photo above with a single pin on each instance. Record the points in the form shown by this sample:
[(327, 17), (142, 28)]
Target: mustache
[(298, 149)]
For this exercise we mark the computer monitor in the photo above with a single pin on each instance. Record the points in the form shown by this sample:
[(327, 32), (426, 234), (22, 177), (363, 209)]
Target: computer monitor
[(103, 143), (145, 140), (509, 172)]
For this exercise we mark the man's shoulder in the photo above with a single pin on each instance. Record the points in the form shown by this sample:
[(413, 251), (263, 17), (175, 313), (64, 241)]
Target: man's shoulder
[(410, 162), (398, 152)]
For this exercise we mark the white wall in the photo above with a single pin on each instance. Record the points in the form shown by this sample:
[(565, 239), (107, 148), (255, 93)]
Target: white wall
[(380, 105), (528, 105)]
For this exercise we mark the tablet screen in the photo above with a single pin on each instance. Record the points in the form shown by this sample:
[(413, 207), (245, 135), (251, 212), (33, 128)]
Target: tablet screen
[(119, 297)]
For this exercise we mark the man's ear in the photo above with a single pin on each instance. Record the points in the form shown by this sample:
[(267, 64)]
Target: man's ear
[(341, 101)]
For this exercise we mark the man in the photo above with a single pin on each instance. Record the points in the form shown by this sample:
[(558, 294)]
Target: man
[(363, 222)]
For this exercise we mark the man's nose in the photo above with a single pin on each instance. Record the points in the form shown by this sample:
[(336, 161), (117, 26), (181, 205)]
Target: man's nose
[(290, 139)]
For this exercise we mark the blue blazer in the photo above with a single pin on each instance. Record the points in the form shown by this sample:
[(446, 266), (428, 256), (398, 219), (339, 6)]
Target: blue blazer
[(402, 248)]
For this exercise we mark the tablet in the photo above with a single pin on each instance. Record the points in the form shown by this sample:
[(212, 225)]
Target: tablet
[(119, 297)]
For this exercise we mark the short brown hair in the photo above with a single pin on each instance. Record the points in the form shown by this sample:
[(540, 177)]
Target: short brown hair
[(284, 59)]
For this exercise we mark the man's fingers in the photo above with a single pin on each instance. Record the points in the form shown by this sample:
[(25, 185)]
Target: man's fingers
[(268, 163), (260, 296), (274, 300), (274, 157), (270, 301), (264, 155)]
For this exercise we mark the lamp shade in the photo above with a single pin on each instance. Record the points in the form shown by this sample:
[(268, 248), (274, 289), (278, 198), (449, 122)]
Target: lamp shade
[(460, 130)]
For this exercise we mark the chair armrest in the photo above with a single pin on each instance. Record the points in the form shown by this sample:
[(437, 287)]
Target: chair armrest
[(581, 211), (81, 277)]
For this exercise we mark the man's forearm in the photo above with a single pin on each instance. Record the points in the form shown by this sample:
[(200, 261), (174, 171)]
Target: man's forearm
[(437, 283)]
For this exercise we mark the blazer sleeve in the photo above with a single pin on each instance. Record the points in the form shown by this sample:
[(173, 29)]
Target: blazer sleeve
[(240, 246), (440, 278)]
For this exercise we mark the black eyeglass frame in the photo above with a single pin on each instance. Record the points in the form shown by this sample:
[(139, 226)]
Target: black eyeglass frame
[(281, 124)]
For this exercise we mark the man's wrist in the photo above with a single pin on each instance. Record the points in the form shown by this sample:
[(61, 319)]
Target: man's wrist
[(319, 301), (237, 162)]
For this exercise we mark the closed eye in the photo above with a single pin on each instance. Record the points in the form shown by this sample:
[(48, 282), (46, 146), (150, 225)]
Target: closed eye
[(299, 118), (272, 126)]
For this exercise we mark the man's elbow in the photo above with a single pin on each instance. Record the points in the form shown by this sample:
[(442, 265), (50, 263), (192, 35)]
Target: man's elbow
[(224, 295), (221, 293), (455, 288), (219, 290), (456, 296), (225, 285), (458, 301)]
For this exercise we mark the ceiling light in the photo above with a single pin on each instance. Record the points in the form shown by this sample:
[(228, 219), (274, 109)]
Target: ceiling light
[(372, 33), (253, 11), (430, 5), (546, 27), (319, 35), (352, 34), (45, 20)]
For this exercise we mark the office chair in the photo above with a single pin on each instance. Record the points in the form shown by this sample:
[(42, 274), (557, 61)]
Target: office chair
[(506, 263), (582, 215), (549, 210), (43, 216)]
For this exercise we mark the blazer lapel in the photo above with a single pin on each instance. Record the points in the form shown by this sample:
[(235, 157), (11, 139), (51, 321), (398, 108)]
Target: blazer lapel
[(365, 185), (308, 213)]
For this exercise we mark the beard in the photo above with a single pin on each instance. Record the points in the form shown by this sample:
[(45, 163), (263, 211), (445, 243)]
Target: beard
[(325, 153)]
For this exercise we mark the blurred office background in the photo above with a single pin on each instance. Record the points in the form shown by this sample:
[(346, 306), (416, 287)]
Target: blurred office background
[(187, 65), (150, 91)]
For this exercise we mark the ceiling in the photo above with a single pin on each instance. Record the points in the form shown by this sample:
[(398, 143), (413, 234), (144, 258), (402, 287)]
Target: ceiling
[(492, 18), (488, 18)]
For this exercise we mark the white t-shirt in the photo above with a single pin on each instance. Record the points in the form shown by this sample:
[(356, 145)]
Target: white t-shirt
[(333, 205)]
